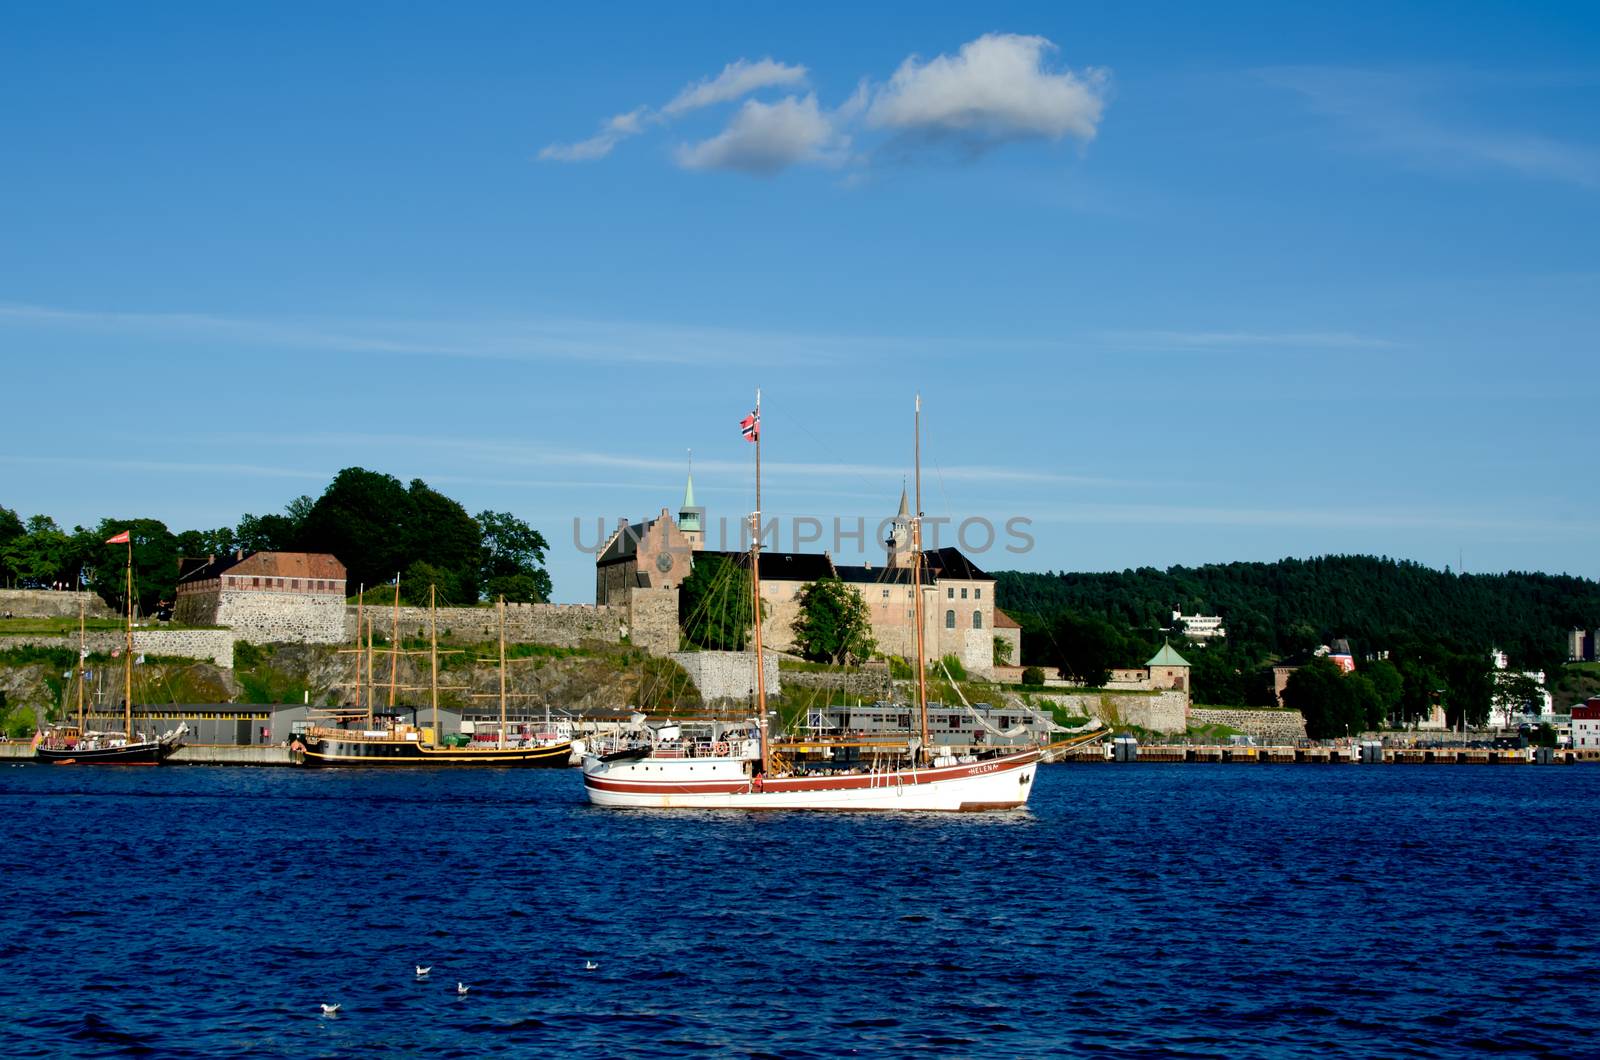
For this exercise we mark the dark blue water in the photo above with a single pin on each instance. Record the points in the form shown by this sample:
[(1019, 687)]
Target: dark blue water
[(1191, 910)]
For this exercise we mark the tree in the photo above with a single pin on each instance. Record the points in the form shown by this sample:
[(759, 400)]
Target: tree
[(714, 606), (1469, 691), (155, 568), (1330, 704), (1387, 686), (1086, 649), (511, 563), (1032, 676), (362, 519), (834, 624), (11, 530), (1002, 651), (42, 556)]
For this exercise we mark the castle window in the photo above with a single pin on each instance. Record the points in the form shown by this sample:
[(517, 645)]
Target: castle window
[(950, 594), (963, 592), (949, 620), (977, 620), (977, 594), (886, 594), (295, 584), (255, 583)]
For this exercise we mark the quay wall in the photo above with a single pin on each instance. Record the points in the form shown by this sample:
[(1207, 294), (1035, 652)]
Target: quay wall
[(210, 645), (48, 603), (1268, 725)]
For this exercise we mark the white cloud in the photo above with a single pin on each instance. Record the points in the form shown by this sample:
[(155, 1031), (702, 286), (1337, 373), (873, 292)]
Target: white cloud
[(737, 80), (615, 130), (764, 138), (995, 89)]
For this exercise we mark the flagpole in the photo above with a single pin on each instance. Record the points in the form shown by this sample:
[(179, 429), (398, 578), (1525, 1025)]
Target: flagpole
[(755, 586)]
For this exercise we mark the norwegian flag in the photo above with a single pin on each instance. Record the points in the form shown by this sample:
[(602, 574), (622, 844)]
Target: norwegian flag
[(750, 426), (120, 539)]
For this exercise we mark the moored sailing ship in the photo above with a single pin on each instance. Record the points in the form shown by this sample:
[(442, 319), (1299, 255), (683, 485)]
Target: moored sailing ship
[(77, 744), (386, 739), (742, 770)]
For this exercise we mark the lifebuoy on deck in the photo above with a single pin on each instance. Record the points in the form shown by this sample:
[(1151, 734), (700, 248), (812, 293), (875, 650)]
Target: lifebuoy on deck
[(721, 748)]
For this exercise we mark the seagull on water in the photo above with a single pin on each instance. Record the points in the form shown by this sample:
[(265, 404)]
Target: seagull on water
[(422, 973), (590, 966), (462, 988), (330, 1010)]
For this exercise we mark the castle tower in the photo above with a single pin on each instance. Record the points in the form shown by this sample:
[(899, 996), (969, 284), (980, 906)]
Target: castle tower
[(691, 517), (899, 540)]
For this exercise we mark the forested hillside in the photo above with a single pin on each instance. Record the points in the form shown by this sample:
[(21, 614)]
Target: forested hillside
[(1278, 608), (1436, 626)]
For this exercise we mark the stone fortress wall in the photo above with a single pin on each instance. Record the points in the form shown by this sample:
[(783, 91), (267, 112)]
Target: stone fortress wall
[(211, 645), (45, 603), (731, 675), (265, 617), (1272, 726), (649, 621)]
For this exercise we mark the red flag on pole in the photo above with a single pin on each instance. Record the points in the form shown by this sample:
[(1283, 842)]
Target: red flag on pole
[(750, 427), (120, 539)]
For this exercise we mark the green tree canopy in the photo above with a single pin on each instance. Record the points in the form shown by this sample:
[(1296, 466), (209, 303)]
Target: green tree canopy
[(714, 606), (834, 624), (511, 562), (1331, 704), (155, 568)]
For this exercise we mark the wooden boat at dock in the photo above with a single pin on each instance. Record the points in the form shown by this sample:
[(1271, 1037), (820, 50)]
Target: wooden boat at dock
[(372, 738), (77, 744)]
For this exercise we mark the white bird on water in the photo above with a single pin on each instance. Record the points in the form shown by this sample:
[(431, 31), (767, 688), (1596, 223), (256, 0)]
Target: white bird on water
[(330, 1010), (422, 973), (590, 966), (462, 988)]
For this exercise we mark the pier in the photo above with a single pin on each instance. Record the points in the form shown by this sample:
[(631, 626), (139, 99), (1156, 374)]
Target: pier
[(1126, 749)]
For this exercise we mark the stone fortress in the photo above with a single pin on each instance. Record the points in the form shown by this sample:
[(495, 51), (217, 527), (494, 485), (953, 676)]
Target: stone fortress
[(959, 615)]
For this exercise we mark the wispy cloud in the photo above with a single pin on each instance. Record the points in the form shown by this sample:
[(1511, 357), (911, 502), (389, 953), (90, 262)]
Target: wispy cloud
[(184, 467), (533, 453), (1156, 339), (737, 80), (1407, 114), (996, 89), (517, 339), (1342, 518)]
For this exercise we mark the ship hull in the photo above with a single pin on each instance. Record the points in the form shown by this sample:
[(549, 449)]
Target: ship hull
[(144, 753), (993, 784), (333, 752)]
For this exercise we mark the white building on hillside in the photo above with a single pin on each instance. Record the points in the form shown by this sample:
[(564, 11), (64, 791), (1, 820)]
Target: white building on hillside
[(1518, 694), (1198, 627)]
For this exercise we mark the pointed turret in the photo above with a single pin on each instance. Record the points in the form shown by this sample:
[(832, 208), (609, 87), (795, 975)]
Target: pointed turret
[(690, 515), (899, 541)]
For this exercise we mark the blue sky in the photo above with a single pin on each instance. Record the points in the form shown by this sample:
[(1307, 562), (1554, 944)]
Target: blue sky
[(1177, 283)]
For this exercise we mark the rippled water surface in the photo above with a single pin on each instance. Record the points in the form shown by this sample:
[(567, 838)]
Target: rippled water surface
[(1196, 910)]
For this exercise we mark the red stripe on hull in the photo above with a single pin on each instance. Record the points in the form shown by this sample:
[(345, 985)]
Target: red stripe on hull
[(802, 784)]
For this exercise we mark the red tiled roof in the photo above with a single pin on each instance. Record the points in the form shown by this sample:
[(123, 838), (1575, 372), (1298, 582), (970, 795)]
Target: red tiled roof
[(290, 565), (1004, 621)]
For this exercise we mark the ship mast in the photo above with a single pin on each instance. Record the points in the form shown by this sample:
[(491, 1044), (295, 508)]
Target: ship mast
[(80, 663), (127, 661), (433, 665), (755, 586), (361, 625), (916, 582), (502, 673), (394, 643)]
